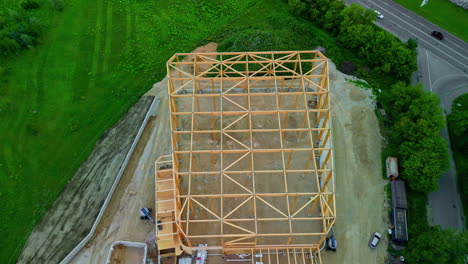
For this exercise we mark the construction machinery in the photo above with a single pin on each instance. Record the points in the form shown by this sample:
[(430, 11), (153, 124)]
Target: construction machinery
[(145, 214), (332, 244)]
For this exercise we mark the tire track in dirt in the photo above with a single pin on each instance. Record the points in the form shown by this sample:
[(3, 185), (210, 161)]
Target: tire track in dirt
[(360, 196)]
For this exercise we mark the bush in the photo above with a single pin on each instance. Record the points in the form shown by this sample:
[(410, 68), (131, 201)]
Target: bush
[(417, 213), (8, 46), (252, 40), (459, 122), (29, 4), (458, 131)]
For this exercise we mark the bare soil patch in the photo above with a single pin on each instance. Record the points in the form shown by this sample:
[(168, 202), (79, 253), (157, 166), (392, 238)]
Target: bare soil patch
[(126, 255), (360, 195)]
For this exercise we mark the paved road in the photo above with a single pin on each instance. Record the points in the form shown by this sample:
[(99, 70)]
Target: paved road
[(443, 68), (406, 24), (439, 77)]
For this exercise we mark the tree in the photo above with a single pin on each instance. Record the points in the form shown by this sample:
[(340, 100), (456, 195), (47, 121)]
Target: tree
[(423, 118), (297, 6), (413, 103), (333, 17), (356, 14), (423, 162), (404, 63), (437, 245), (356, 36), (406, 129), (412, 44)]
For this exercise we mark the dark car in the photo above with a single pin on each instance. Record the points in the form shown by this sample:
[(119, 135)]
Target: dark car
[(437, 35)]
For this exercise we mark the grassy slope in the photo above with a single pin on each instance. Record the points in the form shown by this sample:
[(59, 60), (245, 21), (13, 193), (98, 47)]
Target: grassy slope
[(442, 13), (97, 58), (460, 143)]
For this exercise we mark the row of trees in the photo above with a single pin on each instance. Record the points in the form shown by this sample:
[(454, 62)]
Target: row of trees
[(354, 29), (458, 130), (416, 119)]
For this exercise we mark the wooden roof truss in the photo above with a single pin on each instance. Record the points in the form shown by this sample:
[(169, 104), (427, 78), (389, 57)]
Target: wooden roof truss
[(248, 126)]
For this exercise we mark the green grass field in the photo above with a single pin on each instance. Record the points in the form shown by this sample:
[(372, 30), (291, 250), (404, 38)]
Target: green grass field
[(442, 13), (459, 145), (94, 61), (96, 58)]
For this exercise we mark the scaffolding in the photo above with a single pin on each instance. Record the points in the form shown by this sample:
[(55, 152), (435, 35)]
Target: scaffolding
[(252, 161)]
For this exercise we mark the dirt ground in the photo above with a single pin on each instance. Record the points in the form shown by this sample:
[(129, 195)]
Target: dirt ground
[(121, 221), (73, 214), (360, 195), (260, 182), (127, 255)]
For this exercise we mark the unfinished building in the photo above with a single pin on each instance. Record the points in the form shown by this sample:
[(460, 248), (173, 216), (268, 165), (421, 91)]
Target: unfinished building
[(251, 170)]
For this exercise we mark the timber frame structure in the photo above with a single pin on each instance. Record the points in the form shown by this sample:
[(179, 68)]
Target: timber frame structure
[(251, 168)]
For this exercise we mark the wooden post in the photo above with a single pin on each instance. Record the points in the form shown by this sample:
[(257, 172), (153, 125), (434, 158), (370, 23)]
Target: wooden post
[(304, 119), (212, 208), (192, 209), (293, 206)]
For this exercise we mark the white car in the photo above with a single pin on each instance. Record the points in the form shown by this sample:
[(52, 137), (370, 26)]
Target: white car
[(375, 239), (379, 15)]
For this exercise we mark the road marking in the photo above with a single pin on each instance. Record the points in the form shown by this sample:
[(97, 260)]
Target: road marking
[(429, 71), (463, 64), (427, 24), (424, 33), (450, 75)]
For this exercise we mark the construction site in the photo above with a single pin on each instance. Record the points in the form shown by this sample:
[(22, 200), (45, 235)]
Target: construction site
[(248, 157), (251, 171)]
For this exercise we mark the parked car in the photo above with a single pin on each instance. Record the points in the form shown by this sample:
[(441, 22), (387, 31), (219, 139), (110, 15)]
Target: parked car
[(375, 239), (379, 15), (437, 35)]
